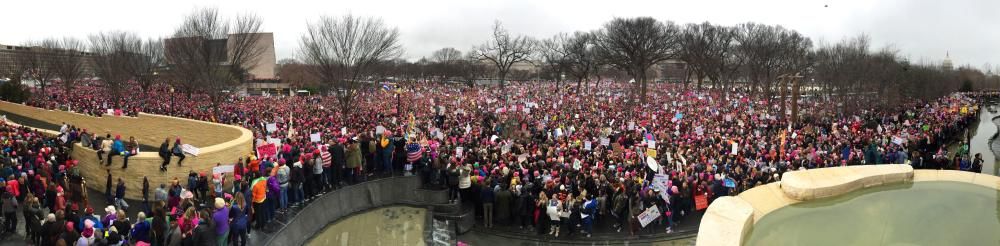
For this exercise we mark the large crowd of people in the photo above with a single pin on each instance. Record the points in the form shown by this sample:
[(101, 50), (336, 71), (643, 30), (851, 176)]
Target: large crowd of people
[(521, 155)]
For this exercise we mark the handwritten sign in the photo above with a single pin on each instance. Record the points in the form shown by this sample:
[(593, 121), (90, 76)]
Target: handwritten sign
[(648, 216), (458, 152), (267, 150), (315, 137), (700, 202), (271, 127), (587, 145)]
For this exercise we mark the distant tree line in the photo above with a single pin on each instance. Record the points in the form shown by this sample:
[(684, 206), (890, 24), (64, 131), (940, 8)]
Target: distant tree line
[(344, 55)]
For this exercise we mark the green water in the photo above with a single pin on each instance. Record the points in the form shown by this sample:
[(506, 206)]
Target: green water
[(922, 213)]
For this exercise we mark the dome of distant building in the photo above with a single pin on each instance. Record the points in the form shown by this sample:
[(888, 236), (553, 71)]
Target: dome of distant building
[(946, 64)]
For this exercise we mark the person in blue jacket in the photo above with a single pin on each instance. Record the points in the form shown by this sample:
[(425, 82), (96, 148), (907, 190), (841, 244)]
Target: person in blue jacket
[(117, 148)]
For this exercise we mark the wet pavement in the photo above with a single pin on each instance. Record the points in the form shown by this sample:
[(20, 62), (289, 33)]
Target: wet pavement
[(654, 234)]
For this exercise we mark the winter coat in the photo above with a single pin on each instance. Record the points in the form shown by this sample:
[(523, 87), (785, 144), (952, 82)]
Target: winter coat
[(503, 204), (353, 156)]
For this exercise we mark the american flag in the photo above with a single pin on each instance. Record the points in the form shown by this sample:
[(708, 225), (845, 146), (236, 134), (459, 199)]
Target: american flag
[(413, 152)]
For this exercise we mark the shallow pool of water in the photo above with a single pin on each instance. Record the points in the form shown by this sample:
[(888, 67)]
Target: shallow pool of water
[(397, 225), (922, 213)]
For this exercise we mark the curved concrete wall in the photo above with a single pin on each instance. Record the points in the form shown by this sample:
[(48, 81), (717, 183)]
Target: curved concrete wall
[(218, 143), (722, 223), (351, 199), (148, 129)]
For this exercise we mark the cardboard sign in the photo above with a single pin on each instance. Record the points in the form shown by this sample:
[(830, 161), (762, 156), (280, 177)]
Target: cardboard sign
[(648, 216), (267, 150), (700, 202), (222, 169)]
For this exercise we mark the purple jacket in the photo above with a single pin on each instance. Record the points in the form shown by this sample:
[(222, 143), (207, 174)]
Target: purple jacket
[(221, 217), (273, 187)]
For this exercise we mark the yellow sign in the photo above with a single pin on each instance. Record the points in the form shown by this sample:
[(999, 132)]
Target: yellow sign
[(651, 152)]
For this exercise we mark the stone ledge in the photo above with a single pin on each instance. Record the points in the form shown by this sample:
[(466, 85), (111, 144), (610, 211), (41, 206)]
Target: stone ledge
[(347, 201), (726, 222), (226, 144), (828, 182), (730, 219)]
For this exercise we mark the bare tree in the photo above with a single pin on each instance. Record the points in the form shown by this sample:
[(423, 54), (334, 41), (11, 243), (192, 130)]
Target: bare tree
[(148, 64), (36, 63), (771, 51), (635, 44), (581, 52), (705, 48), (342, 52), (446, 55), (504, 50), (69, 66), (115, 55), (555, 57), (199, 57), (296, 74)]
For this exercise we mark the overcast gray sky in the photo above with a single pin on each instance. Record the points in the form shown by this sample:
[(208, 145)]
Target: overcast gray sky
[(923, 30)]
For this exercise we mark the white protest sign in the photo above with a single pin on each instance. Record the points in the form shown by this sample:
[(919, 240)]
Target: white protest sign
[(458, 152), (736, 149), (222, 169), (586, 145), (605, 141), (315, 137), (648, 216), (275, 141), (271, 127), (660, 182), (187, 148), (379, 129)]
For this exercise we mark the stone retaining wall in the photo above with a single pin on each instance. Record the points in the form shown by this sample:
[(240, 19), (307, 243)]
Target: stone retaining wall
[(352, 199), (729, 219), (218, 143)]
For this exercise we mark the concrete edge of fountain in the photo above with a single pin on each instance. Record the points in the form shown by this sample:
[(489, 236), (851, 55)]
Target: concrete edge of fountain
[(729, 220), (351, 200), (992, 139)]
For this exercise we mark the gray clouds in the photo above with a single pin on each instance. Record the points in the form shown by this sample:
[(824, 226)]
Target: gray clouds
[(920, 29)]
